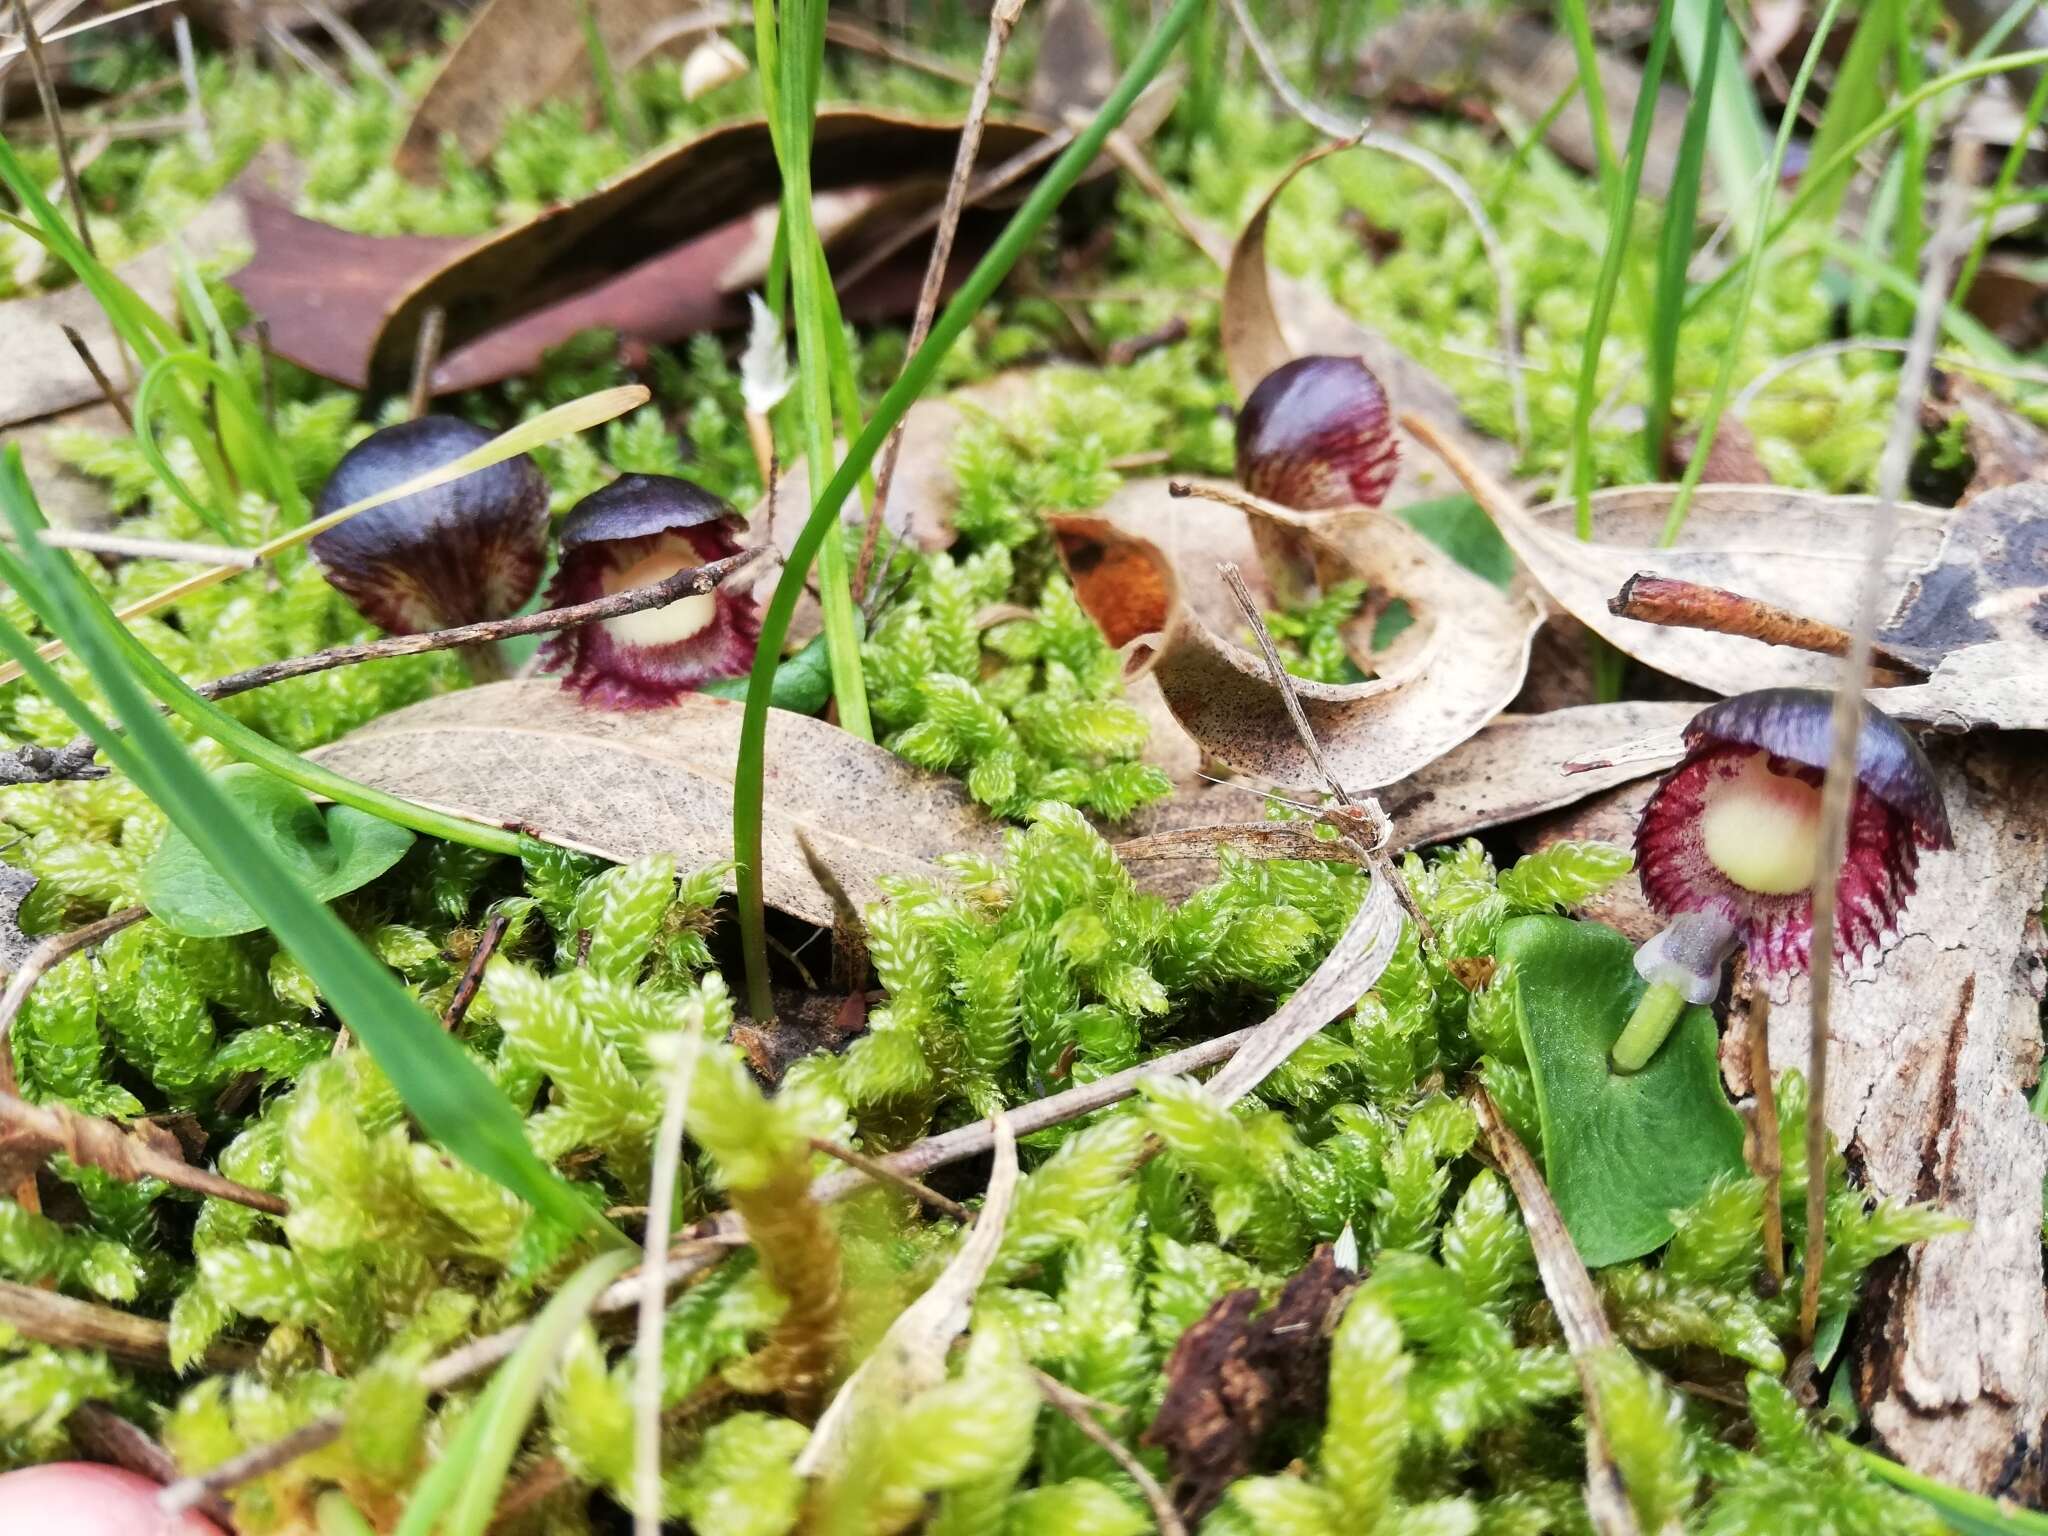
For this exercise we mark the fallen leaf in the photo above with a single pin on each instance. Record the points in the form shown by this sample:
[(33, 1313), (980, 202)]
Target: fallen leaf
[(1731, 460), (1528, 65), (527, 754), (1260, 314), (1619, 1153), (68, 498), (1454, 668), (514, 55), (679, 194), (43, 375), (1933, 1050), (1237, 1373), (1609, 817), (911, 1356), (1798, 549), (1076, 65)]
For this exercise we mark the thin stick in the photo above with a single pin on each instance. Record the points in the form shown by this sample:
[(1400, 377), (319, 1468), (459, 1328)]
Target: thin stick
[(103, 1435), (94, 1143), (353, 43), (188, 71), (473, 974), (633, 600), (263, 355), (1130, 159), (879, 1170), (1769, 1160), (38, 962), (14, 51), (661, 1200), (311, 62), (46, 88), (1677, 603), (1080, 1410), (68, 1323), (99, 376), (1002, 20), (1838, 787), (1438, 169), (426, 357), (101, 541), (1577, 1305)]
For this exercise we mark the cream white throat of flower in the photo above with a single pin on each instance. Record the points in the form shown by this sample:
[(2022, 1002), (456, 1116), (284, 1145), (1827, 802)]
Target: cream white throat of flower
[(681, 620)]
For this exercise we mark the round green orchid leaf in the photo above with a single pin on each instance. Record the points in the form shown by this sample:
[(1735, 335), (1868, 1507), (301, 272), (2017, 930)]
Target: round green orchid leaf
[(1620, 1153), (332, 850)]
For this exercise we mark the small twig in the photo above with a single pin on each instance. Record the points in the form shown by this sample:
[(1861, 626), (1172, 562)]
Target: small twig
[(1002, 19), (263, 355), (1767, 1161), (633, 600), (44, 958), (879, 1170), (46, 88), (356, 46), (188, 71), (1080, 1410), (426, 357), (281, 39), (31, 764), (473, 974), (103, 541), (1677, 603), (12, 51), (1123, 353), (66, 1322), (1576, 1303), (1130, 159), (94, 1143), (1839, 784), (99, 376), (103, 1435)]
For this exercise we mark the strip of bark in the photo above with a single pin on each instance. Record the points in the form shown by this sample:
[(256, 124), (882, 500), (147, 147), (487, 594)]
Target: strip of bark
[(1679, 604), (65, 1322)]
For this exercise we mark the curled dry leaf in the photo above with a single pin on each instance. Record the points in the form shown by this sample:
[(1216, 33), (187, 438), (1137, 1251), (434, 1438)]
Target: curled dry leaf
[(514, 55), (1797, 549), (1268, 321), (911, 1356), (1455, 667), (677, 195), (525, 754)]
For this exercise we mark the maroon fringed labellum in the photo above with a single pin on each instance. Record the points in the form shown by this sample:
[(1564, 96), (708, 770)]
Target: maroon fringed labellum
[(637, 531), (1317, 433), (463, 553), (1729, 847)]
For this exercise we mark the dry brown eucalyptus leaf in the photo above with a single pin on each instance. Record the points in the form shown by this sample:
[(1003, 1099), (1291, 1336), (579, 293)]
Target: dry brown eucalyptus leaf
[(1797, 549), (515, 55), (526, 754), (1455, 668), (1933, 1050), (42, 375), (1268, 321), (676, 195), (1515, 767)]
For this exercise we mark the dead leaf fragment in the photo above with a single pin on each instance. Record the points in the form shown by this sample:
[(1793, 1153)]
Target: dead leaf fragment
[(15, 886), (1455, 667), (2006, 446), (526, 754), (1237, 1373)]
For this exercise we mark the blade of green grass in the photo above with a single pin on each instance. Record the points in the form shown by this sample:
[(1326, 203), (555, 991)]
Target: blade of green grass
[(1709, 57), (1816, 180), (1969, 1512), (1674, 252), (1751, 267), (791, 48), (981, 283), (1579, 26), (441, 1084), (2001, 189), (1855, 100), (1621, 209), (460, 1493)]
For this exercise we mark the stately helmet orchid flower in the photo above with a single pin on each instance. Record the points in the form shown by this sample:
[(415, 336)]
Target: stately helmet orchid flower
[(639, 530), (462, 553), (1317, 433), (1729, 849)]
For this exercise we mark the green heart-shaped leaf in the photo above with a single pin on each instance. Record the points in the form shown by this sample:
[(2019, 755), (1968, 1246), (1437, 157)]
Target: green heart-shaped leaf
[(1619, 1153), (331, 852)]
